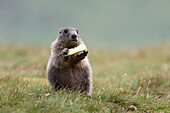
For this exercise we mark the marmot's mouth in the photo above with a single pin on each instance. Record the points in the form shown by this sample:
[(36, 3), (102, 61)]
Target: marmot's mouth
[(71, 46), (74, 40)]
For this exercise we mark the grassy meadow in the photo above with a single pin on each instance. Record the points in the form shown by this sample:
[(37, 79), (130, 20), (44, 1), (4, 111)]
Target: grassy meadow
[(125, 80)]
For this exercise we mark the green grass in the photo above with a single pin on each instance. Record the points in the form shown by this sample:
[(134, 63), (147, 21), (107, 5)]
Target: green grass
[(139, 78)]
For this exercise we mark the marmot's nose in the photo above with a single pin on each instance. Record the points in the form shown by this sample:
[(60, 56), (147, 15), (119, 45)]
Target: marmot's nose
[(74, 37)]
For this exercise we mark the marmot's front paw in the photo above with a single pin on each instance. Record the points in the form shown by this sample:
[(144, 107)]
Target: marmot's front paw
[(65, 52), (82, 55)]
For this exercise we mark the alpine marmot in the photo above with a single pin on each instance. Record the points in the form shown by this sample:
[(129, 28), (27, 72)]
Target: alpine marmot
[(69, 72)]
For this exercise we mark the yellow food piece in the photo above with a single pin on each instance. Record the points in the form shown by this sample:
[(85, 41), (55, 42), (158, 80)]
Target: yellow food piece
[(77, 49)]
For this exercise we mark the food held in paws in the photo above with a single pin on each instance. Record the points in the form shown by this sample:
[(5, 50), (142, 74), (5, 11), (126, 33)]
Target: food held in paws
[(77, 49)]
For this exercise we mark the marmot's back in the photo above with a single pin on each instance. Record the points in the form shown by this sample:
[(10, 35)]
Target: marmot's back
[(72, 72)]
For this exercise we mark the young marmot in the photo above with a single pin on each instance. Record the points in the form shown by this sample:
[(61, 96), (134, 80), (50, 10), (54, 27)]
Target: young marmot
[(70, 72)]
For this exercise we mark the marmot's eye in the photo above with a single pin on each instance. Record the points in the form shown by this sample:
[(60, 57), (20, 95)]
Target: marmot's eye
[(60, 32), (77, 31), (65, 31)]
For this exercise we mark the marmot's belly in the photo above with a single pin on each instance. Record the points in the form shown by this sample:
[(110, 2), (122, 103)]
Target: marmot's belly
[(73, 78)]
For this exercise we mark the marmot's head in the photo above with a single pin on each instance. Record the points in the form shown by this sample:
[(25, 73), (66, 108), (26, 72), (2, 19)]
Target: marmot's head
[(69, 37)]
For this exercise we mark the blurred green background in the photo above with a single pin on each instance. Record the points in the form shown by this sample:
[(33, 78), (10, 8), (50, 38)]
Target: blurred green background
[(109, 23)]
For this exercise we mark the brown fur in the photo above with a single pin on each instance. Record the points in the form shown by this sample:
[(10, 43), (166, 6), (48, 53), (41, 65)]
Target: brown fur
[(72, 72)]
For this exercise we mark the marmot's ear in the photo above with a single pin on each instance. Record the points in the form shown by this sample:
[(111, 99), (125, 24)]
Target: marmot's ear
[(77, 31), (60, 31)]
